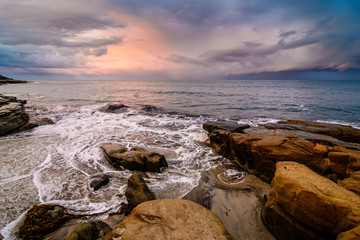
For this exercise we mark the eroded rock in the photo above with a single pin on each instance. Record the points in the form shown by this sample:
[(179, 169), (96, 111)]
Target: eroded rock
[(170, 219), (305, 205)]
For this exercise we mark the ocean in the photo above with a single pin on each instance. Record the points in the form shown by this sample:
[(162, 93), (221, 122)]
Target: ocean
[(53, 163)]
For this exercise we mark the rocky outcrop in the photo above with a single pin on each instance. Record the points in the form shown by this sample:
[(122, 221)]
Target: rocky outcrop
[(342, 132), (137, 191), (12, 114), (43, 219), (170, 219), (305, 205), (135, 159), (6, 80), (259, 149)]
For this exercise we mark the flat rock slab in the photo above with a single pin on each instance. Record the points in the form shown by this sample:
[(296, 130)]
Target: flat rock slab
[(170, 219), (342, 132), (225, 125)]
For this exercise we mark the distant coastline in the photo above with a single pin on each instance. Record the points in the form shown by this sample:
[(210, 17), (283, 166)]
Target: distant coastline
[(6, 80)]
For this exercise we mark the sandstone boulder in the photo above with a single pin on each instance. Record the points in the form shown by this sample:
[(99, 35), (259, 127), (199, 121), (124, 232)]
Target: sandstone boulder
[(170, 219), (135, 159), (305, 205), (137, 191)]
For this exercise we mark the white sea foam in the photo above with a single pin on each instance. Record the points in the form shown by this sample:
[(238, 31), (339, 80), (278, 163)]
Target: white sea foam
[(72, 154)]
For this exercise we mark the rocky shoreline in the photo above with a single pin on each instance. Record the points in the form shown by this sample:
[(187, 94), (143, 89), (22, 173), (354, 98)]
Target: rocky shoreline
[(6, 80), (314, 171), (301, 182)]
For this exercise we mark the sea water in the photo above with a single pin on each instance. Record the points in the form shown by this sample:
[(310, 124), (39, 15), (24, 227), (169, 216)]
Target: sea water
[(54, 163)]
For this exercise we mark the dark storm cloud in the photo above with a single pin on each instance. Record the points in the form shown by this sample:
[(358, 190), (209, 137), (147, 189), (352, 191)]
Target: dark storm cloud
[(54, 31)]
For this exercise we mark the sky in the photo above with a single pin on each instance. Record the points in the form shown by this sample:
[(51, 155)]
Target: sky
[(180, 39)]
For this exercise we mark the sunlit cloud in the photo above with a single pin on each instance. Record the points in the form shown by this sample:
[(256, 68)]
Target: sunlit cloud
[(177, 39)]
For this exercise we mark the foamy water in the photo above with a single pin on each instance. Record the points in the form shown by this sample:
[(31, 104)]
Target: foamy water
[(53, 163)]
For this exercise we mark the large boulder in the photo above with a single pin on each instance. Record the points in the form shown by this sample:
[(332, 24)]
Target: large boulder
[(170, 219), (137, 191), (305, 205), (12, 114), (135, 159), (342, 132)]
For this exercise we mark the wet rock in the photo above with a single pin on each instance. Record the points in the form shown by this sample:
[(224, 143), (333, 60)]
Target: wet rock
[(342, 132), (170, 219), (89, 231), (258, 150), (225, 125), (137, 191), (43, 219), (305, 205), (114, 108), (99, 180), (236, 201), (12, 115), (135, 159), (150, 109)]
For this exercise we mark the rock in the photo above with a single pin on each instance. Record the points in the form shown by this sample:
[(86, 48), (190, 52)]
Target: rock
[(236, 198), (137, 191), (342, 132), (135, 159), (99, 180), (305, 205), (12, 115), (89, 231), (170, 219), (353, 234), (258, 149), (114, 108), (351, 183), (43, 219), (225, 125)]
